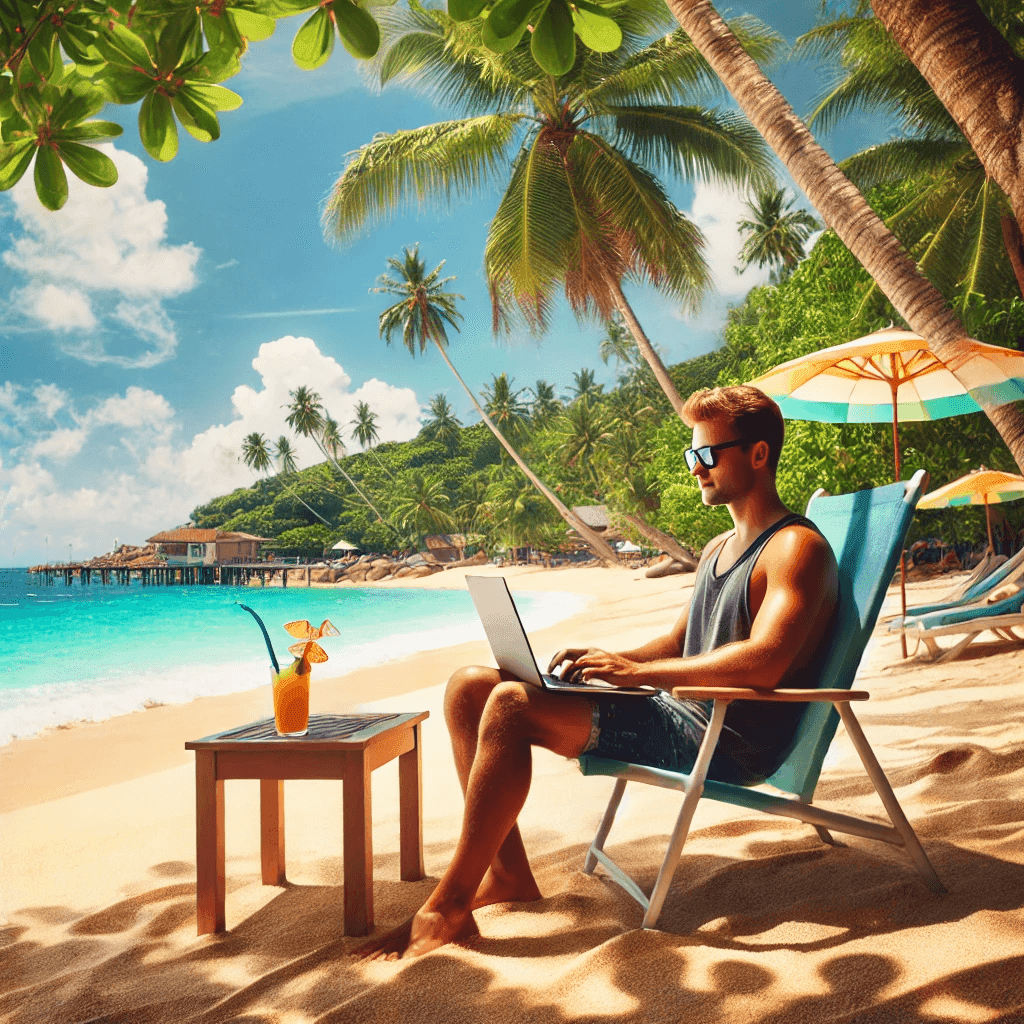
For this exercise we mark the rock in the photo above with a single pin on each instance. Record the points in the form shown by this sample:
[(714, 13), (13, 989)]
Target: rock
[(666, 567), (480, 558), (357, 573), (378, 562), (378, 572), (418, 571), (405, 571)]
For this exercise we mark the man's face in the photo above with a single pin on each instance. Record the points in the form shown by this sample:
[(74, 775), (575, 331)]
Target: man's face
[(732, 476)]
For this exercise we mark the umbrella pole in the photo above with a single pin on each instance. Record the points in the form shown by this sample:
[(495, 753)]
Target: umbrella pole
[(988, 524), (903, 563)]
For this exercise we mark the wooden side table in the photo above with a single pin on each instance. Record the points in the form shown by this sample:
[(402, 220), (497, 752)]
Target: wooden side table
[(345, 747)]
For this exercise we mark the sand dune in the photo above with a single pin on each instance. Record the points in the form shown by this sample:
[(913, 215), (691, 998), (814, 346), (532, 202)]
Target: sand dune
[(763, 923)]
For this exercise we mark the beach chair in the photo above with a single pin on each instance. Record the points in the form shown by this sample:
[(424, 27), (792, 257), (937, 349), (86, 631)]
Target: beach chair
[(999, 570), (866, 530), (1002, 613)]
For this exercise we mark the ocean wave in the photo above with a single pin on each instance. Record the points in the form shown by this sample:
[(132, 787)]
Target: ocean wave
[(29, 710)]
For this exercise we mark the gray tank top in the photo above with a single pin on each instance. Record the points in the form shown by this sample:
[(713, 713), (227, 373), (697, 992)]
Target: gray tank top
[(756, 737)]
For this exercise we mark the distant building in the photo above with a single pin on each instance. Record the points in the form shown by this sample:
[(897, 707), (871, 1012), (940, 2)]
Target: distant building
[(193, 546), (446, 547)]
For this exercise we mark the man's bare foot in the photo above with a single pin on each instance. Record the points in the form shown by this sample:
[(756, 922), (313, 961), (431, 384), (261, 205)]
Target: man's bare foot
[(504, 890), (431, 929), (389, 946)]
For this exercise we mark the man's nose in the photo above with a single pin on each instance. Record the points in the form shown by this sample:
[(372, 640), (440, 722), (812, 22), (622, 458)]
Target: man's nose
[(699, 469)]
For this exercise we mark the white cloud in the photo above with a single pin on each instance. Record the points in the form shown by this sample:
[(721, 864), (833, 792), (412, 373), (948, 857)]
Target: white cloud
[(43, 483), (103, 259)]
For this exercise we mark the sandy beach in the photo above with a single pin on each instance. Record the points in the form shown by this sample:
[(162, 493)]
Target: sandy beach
[(763, 924)]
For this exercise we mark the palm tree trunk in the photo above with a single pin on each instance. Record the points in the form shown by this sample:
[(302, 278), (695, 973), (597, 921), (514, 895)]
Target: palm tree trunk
[(352, 483), (643, 343), (978, 77), (1013, 243), (660, 540), (840, 204), (597, 544)]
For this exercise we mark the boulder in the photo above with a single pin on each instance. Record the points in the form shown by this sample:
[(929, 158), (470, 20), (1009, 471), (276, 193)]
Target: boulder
[(378, 572), (378, 562), (419, 571), (357, 573), (666, 567), (405, 570)]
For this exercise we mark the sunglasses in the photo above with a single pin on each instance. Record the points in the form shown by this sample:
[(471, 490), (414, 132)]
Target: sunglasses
[(707, 456)]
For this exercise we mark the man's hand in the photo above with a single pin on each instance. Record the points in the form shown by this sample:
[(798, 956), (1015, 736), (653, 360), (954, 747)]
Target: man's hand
[(614, 669), (570, 654)]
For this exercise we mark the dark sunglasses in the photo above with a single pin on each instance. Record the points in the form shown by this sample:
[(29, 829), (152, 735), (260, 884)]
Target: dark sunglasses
[(708, 455)]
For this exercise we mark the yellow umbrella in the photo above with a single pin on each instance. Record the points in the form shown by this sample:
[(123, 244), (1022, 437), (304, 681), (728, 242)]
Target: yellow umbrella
[(893, 374), (979, 487)]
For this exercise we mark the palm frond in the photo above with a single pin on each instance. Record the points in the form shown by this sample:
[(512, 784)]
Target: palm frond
[(987, 265), (899, 159), (420, 166), (693, 142)]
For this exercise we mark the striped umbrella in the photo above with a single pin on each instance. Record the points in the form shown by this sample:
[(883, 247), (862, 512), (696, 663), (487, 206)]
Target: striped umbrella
[(980, 487), (893, 374)]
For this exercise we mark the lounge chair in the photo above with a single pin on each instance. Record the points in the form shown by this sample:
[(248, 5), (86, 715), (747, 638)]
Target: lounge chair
[(999, 570), (866, 530), (1002, 612)]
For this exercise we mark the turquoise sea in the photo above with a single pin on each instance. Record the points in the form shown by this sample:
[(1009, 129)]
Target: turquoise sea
[(91, 652)]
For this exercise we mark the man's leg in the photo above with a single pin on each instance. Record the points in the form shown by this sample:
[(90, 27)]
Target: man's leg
[(494, 723)]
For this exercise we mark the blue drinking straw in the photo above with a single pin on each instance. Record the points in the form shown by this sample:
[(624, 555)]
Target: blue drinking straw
[(266, 635)]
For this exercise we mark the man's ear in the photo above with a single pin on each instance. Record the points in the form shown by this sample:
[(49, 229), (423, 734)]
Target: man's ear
[(761, 453)]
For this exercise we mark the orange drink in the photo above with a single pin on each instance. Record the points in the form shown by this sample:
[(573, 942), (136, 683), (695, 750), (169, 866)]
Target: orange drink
[(291, 700)]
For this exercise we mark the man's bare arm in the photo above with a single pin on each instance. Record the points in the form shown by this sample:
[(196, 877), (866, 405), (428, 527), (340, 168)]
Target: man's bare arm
[(800, 594)]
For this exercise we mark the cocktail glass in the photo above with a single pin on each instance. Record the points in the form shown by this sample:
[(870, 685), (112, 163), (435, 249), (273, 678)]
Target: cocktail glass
[(291, 702)]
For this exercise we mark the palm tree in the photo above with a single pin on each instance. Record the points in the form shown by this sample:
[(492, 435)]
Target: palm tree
[(331, 438), (424, 504), (583, 209), (443, 425), (776, 232), (365, 426), (306, 418), (841, 206), (952, 224), (505, 407), (582, 428), (584, 385), (256, 453), (422, 310), (285, 454), (617, 343), (545, 403)]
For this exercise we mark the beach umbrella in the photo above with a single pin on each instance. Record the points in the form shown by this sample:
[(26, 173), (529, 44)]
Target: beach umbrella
[(979, 487), (894, 375)]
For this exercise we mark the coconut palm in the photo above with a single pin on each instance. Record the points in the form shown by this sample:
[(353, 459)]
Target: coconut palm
[(285, 455), (776, 233), (581, 430), (545, 403), (424, 504), (420, 314), (505, 407), (443, 425), (306, 418), (583, 209), (953, 224), (838, 201), (584, 385), (618, 343), (365, 426), (331, 438)]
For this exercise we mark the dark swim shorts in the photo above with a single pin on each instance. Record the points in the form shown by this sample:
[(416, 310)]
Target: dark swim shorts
[(660, 732)]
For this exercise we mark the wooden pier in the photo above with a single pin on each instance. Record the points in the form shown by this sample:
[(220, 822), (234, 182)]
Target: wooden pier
[(239, 574)]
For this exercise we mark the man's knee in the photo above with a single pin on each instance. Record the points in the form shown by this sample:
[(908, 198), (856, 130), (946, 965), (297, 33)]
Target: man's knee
[(468, 690), (508, 707)]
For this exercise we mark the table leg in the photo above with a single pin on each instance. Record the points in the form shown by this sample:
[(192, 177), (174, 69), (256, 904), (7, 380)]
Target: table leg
[(410, 809), (358, 848), (272, 831), (209, 844)]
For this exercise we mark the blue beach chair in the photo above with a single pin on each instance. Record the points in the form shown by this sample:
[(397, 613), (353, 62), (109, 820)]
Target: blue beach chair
[(1009, 570), (866, 530)]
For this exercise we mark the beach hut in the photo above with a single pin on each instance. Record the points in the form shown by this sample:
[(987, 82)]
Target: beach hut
[(189, 545), (446, 547)]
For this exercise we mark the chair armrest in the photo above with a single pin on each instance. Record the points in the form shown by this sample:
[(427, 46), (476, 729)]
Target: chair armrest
[(779, 696)]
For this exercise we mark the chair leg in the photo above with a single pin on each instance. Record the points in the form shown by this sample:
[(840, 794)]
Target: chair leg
[(954, 651), (606, 826), (889, 801), (682, 829)]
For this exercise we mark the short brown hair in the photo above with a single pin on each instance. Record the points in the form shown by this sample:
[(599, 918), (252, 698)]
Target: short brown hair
[(754, 415)]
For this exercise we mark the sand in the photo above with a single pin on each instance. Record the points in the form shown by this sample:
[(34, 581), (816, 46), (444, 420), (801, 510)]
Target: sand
[(763, 923)]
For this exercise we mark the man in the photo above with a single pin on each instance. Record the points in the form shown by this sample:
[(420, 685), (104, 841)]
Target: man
[(764, 596)]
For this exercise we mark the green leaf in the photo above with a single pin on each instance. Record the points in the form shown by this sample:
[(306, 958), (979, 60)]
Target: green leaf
[(215, 66), (216, 97), (92, 130), (502, 44), (14, 160), (253, 25), (174, 40), (92, 166), (509, 17), (124, 86), (202, 116), (76, 41), (554, 42), (314, 41), (597, 32), (157, 129), (51, 181), (123, 47), (43, 51), (188, 122), (465, 10), (359, 32)]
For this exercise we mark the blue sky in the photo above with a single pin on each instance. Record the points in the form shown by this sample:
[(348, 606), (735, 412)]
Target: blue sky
[(146, 328)]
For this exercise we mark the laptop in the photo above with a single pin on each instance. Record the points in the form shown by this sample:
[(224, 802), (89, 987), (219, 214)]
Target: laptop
[(511, 648)]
